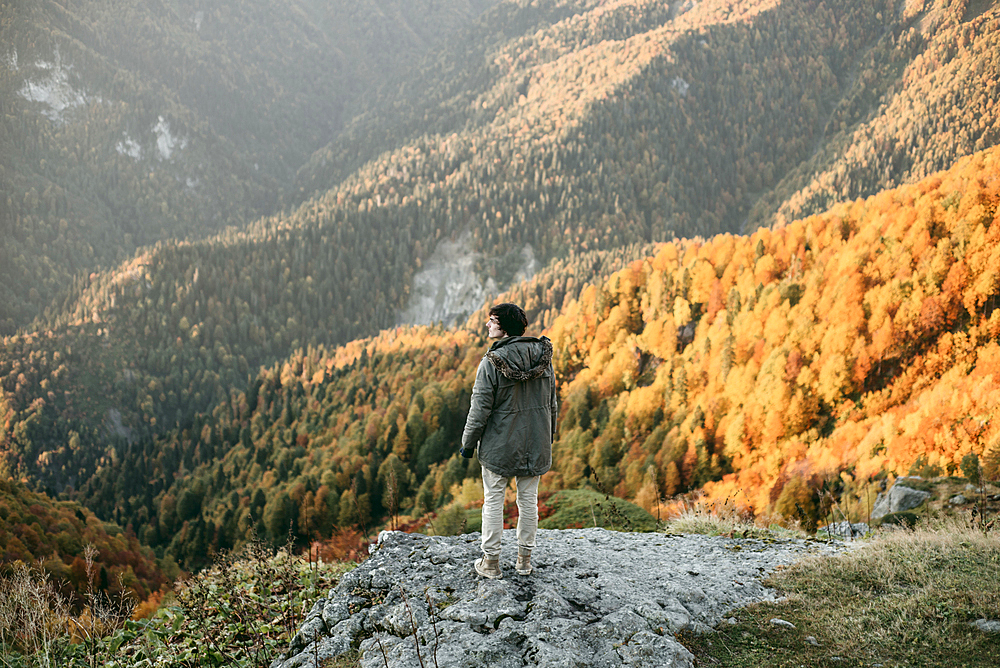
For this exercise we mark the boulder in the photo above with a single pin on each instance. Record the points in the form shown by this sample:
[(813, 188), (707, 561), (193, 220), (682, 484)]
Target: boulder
[(900, 498), (844, 530), (987, 625)]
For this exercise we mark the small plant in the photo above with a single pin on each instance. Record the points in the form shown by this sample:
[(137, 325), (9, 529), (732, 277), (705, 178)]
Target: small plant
[(413, 626), (979, 521), (33, 619), (432, 610), (611, 510), (104, 616), (972, 469)]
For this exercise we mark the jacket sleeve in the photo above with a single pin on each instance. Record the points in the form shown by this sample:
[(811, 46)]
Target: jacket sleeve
[(483, 393), (554, 405)]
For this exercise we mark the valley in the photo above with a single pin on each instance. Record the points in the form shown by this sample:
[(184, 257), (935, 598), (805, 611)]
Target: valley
[(246, 251)]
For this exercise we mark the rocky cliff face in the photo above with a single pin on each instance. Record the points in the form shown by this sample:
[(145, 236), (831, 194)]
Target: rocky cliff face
[(450, 284), (596, 598)]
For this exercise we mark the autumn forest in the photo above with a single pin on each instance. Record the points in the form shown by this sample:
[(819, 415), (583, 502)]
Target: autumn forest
[(767, 239)]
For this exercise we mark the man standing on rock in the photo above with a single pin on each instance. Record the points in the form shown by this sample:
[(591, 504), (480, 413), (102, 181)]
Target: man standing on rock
[(513, 421)]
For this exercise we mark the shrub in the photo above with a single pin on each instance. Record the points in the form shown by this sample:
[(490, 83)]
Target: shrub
[(971, 469)]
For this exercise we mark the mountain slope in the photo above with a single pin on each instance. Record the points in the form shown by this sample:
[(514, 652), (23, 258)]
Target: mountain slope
[(34, 528), (776, 372), (919, 101), (574, 167), (127, 123), (822, 355), (556, 125), (323, 421)]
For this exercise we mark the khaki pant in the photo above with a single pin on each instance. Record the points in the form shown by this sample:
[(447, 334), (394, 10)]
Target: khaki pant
[(527, 509)]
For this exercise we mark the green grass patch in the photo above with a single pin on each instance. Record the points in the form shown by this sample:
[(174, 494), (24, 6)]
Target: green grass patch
[(473, 520), (582, 508), (906, 598)]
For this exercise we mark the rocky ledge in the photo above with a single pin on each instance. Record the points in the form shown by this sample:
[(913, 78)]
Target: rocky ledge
[(596, 598)]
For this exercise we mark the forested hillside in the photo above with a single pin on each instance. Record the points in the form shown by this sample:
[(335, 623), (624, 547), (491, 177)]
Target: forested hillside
[(125, 123), (33, 528), (201, 202), (841, 348), (822, 356), (918, 102), (637, 127), (323, 422)]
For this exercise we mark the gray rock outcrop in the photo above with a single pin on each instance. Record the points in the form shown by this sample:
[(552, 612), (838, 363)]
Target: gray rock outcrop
[(844, 530), (899, 499), (987, 625), (596, 598), (450, 285)]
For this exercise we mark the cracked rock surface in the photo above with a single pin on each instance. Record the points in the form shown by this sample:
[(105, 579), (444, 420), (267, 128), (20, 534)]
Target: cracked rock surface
[(596, 598)]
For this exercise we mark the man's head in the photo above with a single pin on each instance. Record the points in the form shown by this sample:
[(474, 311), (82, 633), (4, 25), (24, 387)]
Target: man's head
[(511, 320)]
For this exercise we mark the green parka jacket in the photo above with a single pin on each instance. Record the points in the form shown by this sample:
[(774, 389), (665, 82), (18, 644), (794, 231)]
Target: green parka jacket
[(514, 407)]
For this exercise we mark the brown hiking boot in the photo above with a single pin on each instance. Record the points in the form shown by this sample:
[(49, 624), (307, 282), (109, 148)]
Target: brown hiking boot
[(489, 568), (523, 565)]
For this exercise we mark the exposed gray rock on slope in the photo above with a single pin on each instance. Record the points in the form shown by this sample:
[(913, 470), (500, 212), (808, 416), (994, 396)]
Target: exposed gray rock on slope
[(900, 498), (844, 530), (449, 286), (596, 598)]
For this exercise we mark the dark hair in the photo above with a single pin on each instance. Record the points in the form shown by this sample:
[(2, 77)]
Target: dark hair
[(511, 317)]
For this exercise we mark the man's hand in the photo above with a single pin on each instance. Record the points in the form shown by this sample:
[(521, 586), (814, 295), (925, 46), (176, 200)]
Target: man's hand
[(466, 452)]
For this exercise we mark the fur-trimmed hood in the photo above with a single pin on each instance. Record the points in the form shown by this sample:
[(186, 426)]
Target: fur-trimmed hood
[(521, 357)]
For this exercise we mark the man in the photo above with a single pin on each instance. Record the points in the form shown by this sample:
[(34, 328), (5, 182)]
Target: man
[(513, 421)]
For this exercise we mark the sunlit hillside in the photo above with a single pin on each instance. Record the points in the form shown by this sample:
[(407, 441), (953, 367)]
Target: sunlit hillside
[(209, 210), (850, 345), (575, 126), (822, 356), (126, 123)]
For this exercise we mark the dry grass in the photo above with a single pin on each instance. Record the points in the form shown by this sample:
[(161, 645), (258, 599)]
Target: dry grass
[(905, 598), (724, 521), (918, 588), (38, 629), (34, 617)]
